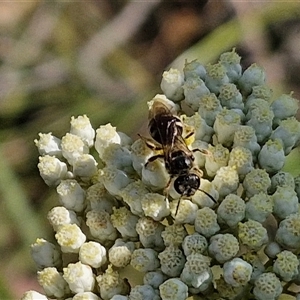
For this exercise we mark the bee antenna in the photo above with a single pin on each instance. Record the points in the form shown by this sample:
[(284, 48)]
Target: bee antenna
[(210, 196), (177, 207)]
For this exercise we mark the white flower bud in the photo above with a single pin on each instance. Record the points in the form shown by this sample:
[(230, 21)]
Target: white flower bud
[(173, 288), (59, 215), (115, 180), (52, 282), (101, 227), (237, 272), (71, 195), (45, 254), (218, 157), (33, 295), (215, 77), (85, 167), (48, 144), (143, 292), (171, 84), (92, 254), (52, 170), (73, 147), (155, 206), (119, 255), (194, 69), (209, 108), (154, 278), (110, 284), (86, 296), (206, 222), (80, 277), (144, 260), (81, 126), (70, 238), (106, 135)]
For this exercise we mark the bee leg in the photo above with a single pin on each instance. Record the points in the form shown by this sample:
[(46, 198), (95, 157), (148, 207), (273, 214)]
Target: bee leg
[(153, 158), (166, 193)]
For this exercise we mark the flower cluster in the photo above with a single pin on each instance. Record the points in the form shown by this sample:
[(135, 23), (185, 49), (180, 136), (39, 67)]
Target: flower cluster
[(118, 234)]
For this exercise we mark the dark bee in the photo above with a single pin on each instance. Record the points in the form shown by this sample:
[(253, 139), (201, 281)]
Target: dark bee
[(167, 130)]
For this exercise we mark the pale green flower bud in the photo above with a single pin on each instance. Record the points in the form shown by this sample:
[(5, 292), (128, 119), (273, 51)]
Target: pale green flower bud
[(101, 227), (70, 238), (115, 180), (194, 69), (241, 159), (119, 157), (297, 185), (194, 243), (81, 126), (245, 137), (287, 234), (237, 272), (52, 170), (99, 199), (202, 131), (132, 195), (261, 120), (73, 147), (230, 97), (45, 254), (33, 295), (285, 202), (172, 261), (256, 181), (256, 103), (257, 264), (272, 249), (252, 76), (119, 255), (186, 211), (260, 91), (252, 234), (286, 265), (86, 296), (223, 247), (144, 260), (226, 124), (206, 222), (284, 107), (231, 61), (59, 215), (171, 84), (196, 273), (227, 291), (71, 195), (173, 288), (154, 278), (218, 157), (92, 254), (155, 206), (259, 207), (110, 283), (48, 144), (209, 108), (282, 179), (267, 286), (271, 156), (215, 77), (125, 222), (85, 167), (288, 132), (194, 88), (150, 233), (174, 235), (53, 282), (231, 210), (143, 292), (226, 181)]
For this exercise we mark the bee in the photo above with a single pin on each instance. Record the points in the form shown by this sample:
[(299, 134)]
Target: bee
[(167, 130)]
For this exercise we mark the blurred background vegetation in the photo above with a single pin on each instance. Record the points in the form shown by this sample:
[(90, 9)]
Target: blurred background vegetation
[(105, 59)]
